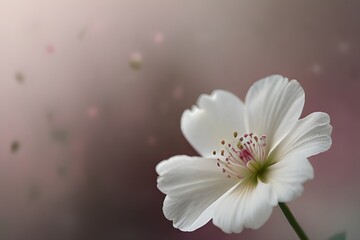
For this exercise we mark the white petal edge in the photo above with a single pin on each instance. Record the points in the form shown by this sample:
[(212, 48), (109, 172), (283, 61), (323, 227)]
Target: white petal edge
[(287, 176), (193, 185), (243, 207), (274, 104), (214, 119), (310, 136)]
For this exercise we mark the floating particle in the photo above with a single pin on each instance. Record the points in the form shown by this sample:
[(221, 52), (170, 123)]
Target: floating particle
[(178, 92), (15, 146), (19, 77), (60, 135), (159, 38), (316, 69), (92, 111), (50, 49), (136, 61), (151, 141), (344, 47), (82, 33)]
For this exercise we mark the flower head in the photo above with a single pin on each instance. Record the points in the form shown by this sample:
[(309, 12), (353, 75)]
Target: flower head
[(253, 155)]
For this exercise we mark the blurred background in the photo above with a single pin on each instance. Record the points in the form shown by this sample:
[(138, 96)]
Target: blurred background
[(91, 94)]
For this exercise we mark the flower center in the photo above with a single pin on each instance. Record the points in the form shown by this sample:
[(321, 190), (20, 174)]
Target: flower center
[(245, 157)]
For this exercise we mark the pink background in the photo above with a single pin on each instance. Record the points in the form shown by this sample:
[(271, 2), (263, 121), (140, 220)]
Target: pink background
[(91, 129)]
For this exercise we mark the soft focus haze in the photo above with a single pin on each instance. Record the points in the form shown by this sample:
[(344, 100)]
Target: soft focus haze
[(92, 91)]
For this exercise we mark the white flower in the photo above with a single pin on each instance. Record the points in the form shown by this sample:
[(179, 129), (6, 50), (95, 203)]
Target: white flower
[(254, 155)]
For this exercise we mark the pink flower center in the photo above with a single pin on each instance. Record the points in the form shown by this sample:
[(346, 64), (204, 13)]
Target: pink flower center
[(245, 154)]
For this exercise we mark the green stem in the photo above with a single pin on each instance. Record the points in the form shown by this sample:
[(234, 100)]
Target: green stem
[(294, 224)]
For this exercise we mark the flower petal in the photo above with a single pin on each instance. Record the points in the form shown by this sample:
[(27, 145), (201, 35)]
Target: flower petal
[(273, 106), (310, 136), (244, 207), (287, 176), (192, 185), (215, 119)]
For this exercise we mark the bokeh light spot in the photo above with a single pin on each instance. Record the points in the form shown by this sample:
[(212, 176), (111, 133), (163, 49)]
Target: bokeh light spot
[(136, 61)]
